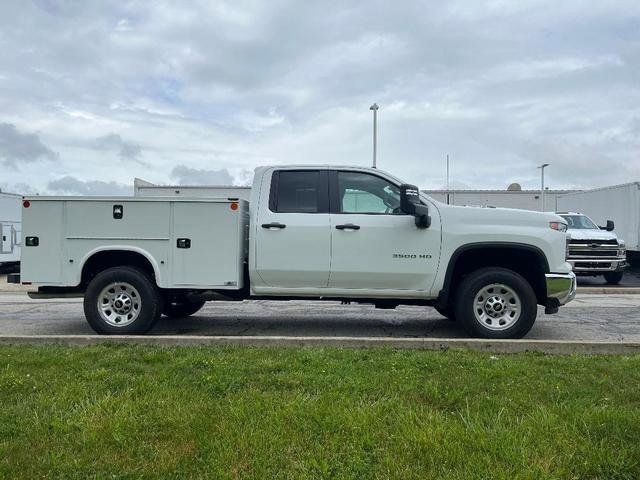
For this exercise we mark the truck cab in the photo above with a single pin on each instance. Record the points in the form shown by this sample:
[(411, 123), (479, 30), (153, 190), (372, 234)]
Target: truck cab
[(308, 232), (595, 250), (339, 232)]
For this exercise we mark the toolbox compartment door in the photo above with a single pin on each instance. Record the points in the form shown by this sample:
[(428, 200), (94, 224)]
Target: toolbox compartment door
[(206, 245), (41, 262)]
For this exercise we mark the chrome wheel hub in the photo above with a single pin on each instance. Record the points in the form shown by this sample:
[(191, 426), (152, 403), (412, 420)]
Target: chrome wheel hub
[(497, 306), (119, 304)]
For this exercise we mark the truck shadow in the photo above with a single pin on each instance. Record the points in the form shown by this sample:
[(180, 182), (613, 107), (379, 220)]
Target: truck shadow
[(312, 320)]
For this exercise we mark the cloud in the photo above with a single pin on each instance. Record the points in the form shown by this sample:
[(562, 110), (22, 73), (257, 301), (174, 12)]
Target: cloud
[(17, 147), (227, 86), (126, 150), (20, 188), (69, 185), (193, 176)]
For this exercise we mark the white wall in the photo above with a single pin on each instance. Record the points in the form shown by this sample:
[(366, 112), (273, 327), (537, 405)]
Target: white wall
[(620, 203), (142, 188), (524, 199)]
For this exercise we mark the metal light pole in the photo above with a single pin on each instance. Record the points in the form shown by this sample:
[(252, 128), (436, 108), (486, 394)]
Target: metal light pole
[(448, 190), (375, 108), (542, 167)]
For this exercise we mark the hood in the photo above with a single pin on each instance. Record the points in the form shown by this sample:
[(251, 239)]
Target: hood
[(584, 234), (501, 216)]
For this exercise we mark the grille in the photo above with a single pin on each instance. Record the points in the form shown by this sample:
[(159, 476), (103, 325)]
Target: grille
[(592, 253), (577, 243), (599, 266)]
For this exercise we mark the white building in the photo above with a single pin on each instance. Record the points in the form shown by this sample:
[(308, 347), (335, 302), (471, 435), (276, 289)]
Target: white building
[(142, 188), (513, 197)]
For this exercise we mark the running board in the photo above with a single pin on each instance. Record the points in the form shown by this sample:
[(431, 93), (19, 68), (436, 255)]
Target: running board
[(48, 295)]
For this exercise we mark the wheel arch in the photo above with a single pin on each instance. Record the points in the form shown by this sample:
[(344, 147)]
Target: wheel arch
[(512, 255), (101, 258)]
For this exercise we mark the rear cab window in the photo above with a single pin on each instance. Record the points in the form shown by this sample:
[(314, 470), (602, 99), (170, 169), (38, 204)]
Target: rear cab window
[(299, 191)]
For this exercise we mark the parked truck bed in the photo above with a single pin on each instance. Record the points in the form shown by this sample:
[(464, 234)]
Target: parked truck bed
[(189, 243)]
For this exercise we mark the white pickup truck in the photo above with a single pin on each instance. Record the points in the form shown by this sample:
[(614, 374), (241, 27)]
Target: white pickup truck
[(308, 232), (595, 250)]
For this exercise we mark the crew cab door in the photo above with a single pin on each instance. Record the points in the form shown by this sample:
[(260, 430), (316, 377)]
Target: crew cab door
[(374, 245), (292, 233)]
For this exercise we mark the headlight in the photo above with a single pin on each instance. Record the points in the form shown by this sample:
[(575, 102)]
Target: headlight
[(622, 249), (559, 226)]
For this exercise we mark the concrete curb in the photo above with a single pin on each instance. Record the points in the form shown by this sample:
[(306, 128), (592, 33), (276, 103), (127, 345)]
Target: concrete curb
[(609, 290), (556, 347)]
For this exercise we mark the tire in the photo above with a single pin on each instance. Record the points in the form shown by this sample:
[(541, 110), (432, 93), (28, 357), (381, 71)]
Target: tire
[(122, 301), (633, 258), (613, 278), (181, 307), (446, 312), (496, 303)]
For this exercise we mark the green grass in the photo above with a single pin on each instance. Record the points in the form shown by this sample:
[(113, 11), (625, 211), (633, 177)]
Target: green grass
[(150, 412)]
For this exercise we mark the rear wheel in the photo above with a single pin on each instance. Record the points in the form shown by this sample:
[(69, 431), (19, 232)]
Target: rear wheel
[(181, 307), (496, 303), (613, 278), (121, 301)]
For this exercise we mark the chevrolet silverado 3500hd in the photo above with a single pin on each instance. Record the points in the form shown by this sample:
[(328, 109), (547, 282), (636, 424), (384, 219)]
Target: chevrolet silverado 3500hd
[(308, 232)]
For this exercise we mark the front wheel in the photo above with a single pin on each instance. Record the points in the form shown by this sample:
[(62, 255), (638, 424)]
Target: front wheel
[(122, 301), (496, 303), (613, 278)]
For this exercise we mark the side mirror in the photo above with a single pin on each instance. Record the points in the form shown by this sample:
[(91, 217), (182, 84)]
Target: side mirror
[(410, 204), (610, 226)]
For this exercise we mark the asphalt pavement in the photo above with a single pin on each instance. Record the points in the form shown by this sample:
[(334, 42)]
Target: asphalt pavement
[(588, 318)]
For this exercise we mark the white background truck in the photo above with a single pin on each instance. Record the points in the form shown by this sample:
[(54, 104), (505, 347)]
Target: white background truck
[(619, 203), (594, 250), (10, 230), (308, 232)]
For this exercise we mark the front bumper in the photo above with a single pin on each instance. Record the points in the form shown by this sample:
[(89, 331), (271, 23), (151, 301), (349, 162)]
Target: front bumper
[(561, 288), (597, 264)]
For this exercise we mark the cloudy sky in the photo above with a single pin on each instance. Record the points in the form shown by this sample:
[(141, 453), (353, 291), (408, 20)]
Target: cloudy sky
[(93, 94)]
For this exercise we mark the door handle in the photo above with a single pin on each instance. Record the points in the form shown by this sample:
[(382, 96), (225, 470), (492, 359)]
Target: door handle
[(273, 225), (348, 226)]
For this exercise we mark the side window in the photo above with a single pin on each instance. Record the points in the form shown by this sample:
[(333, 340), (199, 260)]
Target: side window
[(365, 193), (297, 192)]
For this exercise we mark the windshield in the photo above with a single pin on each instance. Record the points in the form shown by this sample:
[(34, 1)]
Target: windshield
[(579, 222)]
